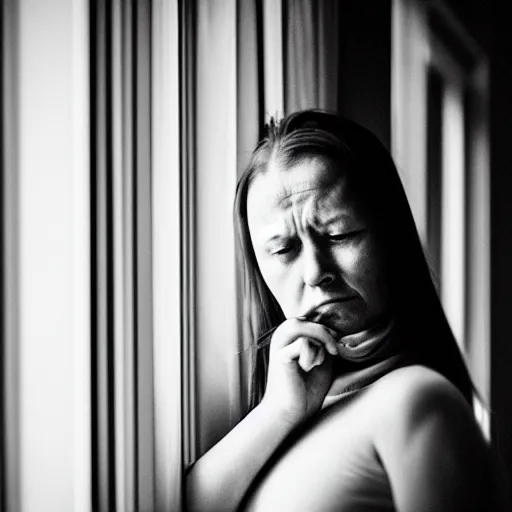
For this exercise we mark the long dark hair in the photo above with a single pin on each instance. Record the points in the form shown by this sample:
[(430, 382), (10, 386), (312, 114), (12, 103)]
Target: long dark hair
[(371, 170)]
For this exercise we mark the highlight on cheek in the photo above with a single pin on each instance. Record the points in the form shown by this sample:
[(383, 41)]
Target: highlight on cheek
[(349, 257)]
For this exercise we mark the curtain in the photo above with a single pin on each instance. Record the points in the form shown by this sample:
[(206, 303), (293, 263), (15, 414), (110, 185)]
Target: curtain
[(410, 44), (141, 254), (122, 369), (171, 263), (215, 110), (312, 47), (9, 277)]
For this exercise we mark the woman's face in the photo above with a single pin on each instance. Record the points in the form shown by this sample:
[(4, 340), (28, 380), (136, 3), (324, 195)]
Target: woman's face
[(315, 245)]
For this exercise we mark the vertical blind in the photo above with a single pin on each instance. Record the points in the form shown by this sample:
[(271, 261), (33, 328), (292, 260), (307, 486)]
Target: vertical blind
[(140, 255), (9, 328), (122, 341)]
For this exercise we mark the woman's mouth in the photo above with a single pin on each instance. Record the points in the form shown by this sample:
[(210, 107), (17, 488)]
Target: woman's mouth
[(328, 313), (325, 306)]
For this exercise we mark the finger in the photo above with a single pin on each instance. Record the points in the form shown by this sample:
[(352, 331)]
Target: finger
[(329, 342), (293, 328), (308, 355), (300, 352), (334, 333)]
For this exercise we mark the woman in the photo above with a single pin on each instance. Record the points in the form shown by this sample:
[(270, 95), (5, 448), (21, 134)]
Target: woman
[(360, 397)]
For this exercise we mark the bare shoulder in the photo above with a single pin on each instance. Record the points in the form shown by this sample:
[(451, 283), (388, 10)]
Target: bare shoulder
[(418, 377), (427, 427), (415, 401), (418, 389)]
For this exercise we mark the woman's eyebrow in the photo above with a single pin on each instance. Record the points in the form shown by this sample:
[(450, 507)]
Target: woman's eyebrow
[(274, 238), (341, 216)]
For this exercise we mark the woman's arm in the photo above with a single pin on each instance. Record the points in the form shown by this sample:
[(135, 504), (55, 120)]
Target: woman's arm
[(219, 480), (299, 377), (432, 449)]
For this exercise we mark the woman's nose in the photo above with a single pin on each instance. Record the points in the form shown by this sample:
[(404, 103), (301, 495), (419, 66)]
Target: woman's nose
[(317, 270)]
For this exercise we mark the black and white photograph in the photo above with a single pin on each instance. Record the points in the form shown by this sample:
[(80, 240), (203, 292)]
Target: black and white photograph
[(255, 256)]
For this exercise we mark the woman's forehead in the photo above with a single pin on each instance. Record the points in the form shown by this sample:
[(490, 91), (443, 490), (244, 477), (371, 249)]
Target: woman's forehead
[(313, 181), (307, 174)]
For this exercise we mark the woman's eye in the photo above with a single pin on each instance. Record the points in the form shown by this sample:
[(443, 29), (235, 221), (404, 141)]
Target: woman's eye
[(285, 248), (282, 250), (343, 236)]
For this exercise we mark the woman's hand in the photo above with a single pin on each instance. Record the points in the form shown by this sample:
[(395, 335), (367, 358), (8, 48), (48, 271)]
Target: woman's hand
[(300, 369)]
